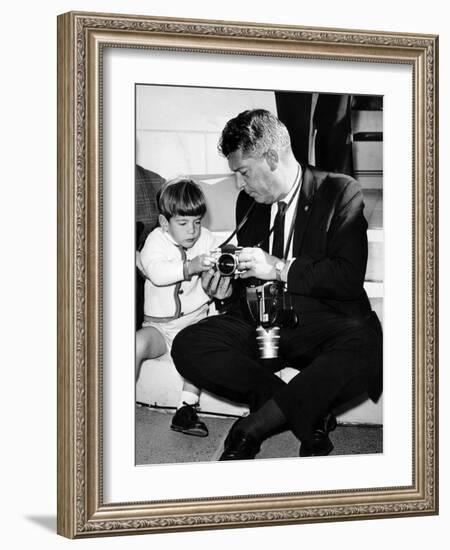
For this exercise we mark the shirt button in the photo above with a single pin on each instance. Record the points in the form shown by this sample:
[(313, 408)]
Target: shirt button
[(181, 314), (180, 291), (306, 208)]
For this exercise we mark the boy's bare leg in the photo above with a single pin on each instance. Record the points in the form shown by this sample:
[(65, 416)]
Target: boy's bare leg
[(149, 345)]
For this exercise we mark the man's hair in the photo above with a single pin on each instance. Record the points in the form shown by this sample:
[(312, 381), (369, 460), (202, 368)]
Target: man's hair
[(254, 133), (181, 197)]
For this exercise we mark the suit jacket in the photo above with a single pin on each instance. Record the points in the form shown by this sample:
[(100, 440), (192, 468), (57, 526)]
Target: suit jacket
[(148, 184), (329, 243)]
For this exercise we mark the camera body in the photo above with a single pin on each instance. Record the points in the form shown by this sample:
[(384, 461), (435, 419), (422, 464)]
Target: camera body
[(227, 259)]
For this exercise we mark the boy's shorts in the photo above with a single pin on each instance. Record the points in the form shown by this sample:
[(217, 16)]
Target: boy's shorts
[(169, 329)]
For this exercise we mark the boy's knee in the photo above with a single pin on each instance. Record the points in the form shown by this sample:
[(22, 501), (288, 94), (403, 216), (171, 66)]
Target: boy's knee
[(140, 348)]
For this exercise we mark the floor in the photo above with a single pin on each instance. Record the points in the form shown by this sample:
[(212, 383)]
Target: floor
[(156, 443)]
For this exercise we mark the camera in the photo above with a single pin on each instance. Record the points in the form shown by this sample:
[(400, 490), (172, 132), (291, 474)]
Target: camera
[(227, 259), (267, 302), (269, 306)]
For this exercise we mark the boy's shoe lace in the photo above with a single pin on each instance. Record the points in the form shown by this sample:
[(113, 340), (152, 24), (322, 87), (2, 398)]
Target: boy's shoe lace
[(186, 421)]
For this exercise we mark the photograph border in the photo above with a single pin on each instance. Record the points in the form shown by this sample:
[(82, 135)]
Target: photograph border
[(81, 39)]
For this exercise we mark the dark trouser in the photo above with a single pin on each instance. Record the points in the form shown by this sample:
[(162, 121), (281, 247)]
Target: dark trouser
[(341, 354)]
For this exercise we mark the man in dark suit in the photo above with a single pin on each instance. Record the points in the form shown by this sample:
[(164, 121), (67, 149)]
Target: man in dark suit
[(319, 250)]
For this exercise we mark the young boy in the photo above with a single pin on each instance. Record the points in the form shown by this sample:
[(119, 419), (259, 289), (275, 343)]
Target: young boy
[(172, 259)]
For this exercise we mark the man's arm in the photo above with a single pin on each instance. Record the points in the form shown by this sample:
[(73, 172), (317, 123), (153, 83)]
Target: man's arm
[(338, 273)]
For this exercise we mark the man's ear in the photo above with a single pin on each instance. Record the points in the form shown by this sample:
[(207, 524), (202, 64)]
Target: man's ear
[(272, 159), (163, 222)]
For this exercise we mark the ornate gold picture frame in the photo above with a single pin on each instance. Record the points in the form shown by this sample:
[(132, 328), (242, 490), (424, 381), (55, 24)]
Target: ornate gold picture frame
[(82, 41)]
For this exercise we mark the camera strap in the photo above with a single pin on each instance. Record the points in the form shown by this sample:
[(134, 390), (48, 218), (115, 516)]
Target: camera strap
[(271, 230), (241, 224), (291, 231)]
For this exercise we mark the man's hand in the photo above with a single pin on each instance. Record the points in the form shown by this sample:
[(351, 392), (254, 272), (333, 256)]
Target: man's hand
[(215, 285), (255, 262)]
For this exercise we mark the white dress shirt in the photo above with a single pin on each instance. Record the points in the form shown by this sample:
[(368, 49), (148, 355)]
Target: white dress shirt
[(289, 214), (288, 220)]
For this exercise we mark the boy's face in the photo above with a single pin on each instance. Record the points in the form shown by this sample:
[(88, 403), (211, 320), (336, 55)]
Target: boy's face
[(184, 230)]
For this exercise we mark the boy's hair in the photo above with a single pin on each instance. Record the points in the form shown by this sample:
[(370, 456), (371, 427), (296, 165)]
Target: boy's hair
[(181, 197)]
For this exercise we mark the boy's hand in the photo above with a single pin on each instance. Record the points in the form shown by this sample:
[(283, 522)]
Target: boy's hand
[(200, 263)]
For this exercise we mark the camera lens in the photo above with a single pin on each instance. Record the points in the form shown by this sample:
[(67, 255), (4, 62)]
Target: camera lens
[(268, 341), (227, 264)]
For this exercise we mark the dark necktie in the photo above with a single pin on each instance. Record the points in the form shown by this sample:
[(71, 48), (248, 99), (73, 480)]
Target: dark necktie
[(278, 231)]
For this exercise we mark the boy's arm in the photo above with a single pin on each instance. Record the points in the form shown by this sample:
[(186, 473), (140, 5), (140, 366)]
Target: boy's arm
[(156, 266), (161, 271)]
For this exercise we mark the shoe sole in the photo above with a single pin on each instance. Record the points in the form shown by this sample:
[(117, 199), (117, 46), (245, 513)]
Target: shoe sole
[(326, 452), (332, 424), (187, 431), (226, 457)]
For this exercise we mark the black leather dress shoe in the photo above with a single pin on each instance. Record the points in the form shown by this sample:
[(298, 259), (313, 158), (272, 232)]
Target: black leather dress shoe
[(320, 444), (239, 445)]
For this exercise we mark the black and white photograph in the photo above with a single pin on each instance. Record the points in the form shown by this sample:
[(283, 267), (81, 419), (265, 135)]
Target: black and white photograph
[(259, 274)]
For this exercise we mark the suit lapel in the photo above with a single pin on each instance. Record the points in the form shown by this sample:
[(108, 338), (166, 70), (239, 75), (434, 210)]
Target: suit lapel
[(304, 207), (263, 225), (256, 229)]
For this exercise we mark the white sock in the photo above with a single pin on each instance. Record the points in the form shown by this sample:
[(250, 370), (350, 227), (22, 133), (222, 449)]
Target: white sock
[(188, 397)]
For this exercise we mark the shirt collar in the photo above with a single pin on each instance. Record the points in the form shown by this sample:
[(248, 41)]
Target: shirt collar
[(288, 197), (169, 237)]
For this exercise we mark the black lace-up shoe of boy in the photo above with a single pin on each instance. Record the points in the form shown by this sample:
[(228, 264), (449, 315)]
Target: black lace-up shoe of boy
[(186, 421)]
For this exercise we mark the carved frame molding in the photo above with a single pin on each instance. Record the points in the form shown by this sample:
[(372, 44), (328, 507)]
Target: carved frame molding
[(81, 38)]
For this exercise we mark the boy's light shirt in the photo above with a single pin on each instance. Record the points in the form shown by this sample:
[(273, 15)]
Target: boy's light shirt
[(162, 264)]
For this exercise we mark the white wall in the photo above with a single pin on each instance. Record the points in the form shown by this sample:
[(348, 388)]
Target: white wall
[(28, 298), (177, 132), (178, 128)]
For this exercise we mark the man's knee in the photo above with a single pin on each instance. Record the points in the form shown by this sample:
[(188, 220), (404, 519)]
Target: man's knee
[(367, 343), (179, 351), (361, 334)]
